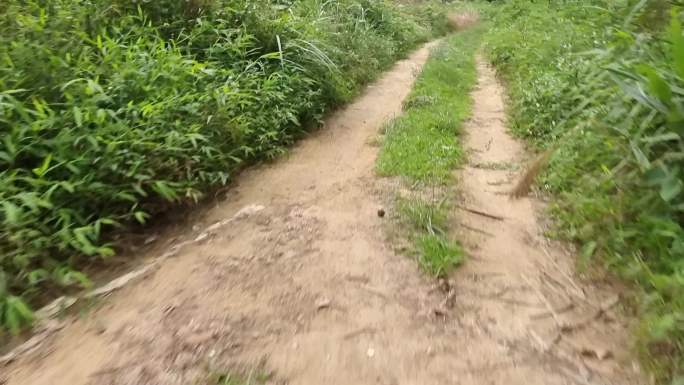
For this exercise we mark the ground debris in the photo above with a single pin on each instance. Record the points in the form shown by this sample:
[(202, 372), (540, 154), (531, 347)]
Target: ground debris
[(599, 353), (481, 213), (323, 303)]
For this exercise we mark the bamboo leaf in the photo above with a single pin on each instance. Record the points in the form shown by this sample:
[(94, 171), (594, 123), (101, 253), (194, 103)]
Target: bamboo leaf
[(677, 40), (43, 168)]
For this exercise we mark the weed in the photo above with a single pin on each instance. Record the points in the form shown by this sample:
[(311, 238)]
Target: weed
[(438, 255)]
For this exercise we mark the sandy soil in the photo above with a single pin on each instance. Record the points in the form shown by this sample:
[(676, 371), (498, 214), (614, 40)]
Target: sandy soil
[(294, 272)]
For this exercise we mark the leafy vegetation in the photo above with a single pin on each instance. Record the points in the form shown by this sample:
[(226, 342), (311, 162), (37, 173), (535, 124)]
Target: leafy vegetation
[(603, 83), (422, 147), (112, 111)]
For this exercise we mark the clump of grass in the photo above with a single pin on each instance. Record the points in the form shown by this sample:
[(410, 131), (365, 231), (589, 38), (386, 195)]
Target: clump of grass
[(426, 223), (438, 255)]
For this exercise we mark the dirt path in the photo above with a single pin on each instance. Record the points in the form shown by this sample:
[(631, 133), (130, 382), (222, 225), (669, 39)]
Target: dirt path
[(526, 318), (294, 271)]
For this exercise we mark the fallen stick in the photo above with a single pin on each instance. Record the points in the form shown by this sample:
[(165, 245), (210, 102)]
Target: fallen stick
[(576, 377), (579, 292), (607, 305), (475, 229), (505, 300), (482, 213), (545, 300), (543, 345), (560, 310), (367, 329)]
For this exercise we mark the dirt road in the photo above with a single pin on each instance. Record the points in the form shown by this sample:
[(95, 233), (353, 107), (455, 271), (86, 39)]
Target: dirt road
[(294, 272)]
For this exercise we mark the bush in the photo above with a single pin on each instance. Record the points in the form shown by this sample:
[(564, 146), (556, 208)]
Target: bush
[(111, 112)]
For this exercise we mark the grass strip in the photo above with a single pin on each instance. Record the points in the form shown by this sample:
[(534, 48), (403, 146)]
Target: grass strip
[(422, 148)]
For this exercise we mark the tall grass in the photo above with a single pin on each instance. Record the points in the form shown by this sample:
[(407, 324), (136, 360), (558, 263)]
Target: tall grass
[(604, 80), (113, 111)]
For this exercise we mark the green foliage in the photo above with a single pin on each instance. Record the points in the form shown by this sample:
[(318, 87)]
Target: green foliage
[(605, 80), (422, 146), (113, 111)]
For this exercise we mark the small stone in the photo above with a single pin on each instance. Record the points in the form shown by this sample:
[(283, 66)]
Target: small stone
[(600, 353), (323, 303), (100, 327), (370, 353), (151, 239), (184, 360), (381, 213), (604, 354), (440, 312), (199, 339), (443, 285)]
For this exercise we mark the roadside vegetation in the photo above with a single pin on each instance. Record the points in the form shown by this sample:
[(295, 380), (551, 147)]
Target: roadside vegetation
[(422, 148), (111, 112), (600, 83)]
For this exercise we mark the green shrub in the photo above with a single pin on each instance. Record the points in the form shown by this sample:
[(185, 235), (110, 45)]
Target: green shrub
[(111, 112)]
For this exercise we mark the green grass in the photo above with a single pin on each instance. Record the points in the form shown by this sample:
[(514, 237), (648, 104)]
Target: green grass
[(603, 81), (422, 215), (421, 146), (437, 254)]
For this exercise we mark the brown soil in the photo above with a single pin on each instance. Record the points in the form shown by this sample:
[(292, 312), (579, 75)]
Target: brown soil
[(293, 272)]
